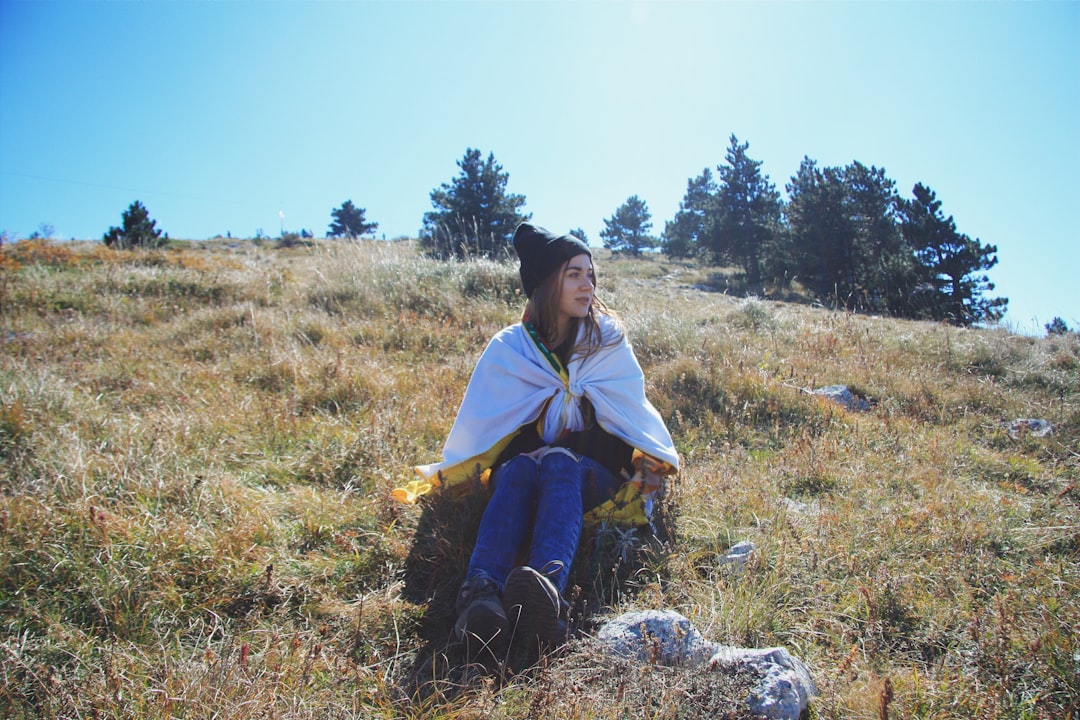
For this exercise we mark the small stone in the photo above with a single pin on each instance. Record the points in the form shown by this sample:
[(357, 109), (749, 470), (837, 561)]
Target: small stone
[(1029, 427), (739, 553), (842, 395)]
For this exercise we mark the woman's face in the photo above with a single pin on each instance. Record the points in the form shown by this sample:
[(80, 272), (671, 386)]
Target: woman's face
[(576, 291)]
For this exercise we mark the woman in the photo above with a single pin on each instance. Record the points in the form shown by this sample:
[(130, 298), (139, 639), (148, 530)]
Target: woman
[(556, 412)]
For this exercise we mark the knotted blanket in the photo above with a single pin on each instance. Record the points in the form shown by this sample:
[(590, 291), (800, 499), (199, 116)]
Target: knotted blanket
[(516, 382)]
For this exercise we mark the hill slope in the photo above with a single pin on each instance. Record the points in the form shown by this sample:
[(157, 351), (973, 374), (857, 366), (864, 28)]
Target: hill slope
[(197, 447)]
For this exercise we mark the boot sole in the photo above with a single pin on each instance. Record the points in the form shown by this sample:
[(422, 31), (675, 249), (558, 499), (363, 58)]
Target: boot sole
[(484, 632), (531, 603)]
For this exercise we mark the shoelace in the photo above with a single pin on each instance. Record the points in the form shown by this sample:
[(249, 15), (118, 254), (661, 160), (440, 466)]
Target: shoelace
[(550, 569), (556, 566), (473, 590)]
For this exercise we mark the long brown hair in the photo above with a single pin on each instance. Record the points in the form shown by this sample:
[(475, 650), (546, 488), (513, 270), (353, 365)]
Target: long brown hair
[(543, 312)]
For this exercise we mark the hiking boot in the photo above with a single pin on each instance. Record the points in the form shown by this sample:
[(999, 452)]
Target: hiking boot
[(533, 608), (481, 627)]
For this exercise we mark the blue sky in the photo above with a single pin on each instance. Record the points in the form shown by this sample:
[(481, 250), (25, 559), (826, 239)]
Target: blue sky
[(222, 116)]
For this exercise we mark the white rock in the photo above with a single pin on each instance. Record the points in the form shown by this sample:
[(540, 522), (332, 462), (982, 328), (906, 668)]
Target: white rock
[(665, 637), (786, 686), (1029, 426), (739, 553), (661, 637), (841, 395)]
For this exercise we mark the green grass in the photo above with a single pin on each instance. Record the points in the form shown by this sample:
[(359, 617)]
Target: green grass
[(197, 446)]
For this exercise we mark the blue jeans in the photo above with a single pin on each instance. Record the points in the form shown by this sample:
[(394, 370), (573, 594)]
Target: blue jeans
[(541, 507)]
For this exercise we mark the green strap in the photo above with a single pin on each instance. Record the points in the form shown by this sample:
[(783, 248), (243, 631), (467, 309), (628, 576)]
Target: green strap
[(544, 349)]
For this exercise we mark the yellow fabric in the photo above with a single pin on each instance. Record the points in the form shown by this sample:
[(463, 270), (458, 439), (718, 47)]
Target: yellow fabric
[(410, 492), (630, 506), (453, 477), (626, 509)]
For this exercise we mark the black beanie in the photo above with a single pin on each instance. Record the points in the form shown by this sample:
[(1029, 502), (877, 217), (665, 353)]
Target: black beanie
[(542, 252)]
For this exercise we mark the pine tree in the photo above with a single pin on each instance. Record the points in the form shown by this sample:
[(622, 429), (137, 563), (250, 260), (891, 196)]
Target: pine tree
[(883, 264), (686, 234), (628, 229), (1057, 326), (580, 235), (846, 242), (748, 213), (473, 215), (349, 222), (137, 230), (820, 231), (950, 264)]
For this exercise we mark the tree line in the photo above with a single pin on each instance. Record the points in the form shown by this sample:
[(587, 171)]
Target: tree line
[(844, 235)]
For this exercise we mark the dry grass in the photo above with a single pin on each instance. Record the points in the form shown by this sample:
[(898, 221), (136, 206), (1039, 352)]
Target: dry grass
[(197, 447)]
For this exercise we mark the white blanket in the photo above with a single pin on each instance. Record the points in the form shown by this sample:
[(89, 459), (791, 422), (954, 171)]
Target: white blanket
[(513, 382)]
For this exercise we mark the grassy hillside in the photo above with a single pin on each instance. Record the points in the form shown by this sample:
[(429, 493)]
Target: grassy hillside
[(197, 447)]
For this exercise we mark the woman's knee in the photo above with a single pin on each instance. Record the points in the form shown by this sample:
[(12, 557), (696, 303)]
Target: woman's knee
[(560, 466), (521, 471)]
